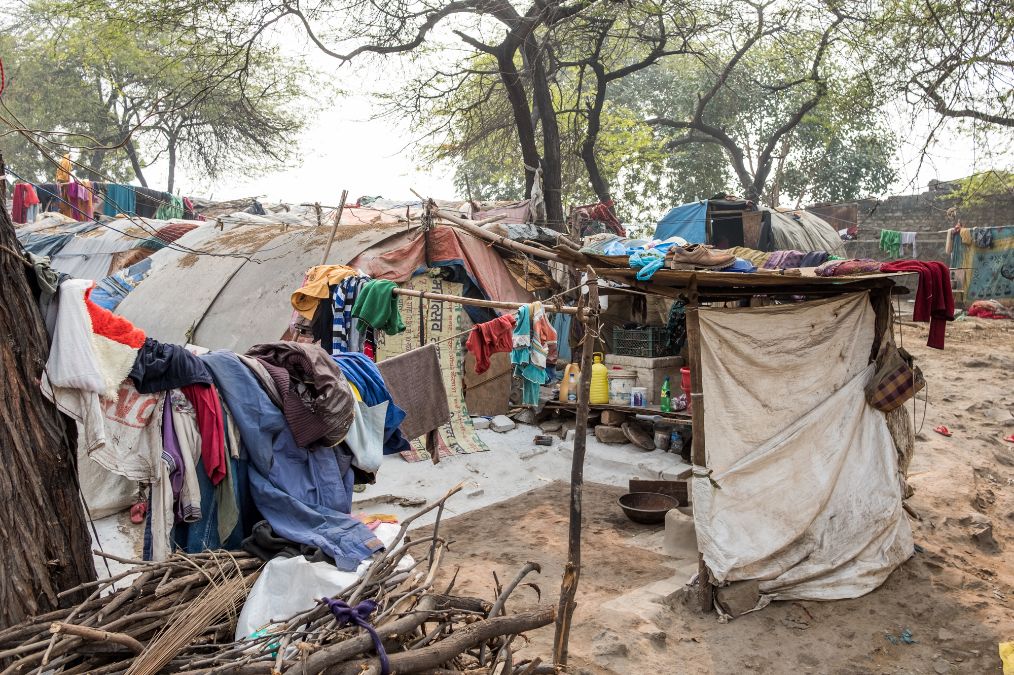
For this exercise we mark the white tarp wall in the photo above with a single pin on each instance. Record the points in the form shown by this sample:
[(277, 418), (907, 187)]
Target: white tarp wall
[(810, 501)]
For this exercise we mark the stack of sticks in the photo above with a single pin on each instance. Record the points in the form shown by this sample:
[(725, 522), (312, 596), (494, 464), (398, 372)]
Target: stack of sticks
[(179, 616)]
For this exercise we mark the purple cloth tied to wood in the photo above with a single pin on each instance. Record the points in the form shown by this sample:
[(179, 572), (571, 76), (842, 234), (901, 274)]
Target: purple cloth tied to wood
[(357, 615), (417, 387)]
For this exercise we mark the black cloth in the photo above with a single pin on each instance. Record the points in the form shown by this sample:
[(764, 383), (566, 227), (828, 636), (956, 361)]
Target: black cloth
[(264, 543), (148, 201), (161, 366), (322, 326), (814, 259), (48, 193)]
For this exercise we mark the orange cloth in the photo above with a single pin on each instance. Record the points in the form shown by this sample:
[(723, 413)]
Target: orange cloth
[(315, 288), (112, 326)]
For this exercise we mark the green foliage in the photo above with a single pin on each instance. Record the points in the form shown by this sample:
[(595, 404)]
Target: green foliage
[(121, 94), (981, 187)]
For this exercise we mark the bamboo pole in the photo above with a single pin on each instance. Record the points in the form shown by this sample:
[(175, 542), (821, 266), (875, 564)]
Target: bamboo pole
[(334, 228), (475, 302), (474, 228), (572, 570)]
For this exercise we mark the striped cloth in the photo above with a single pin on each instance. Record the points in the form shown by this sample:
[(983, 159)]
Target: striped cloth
[(344, 336)]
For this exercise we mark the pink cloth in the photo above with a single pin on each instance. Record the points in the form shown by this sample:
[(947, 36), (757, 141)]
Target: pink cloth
[(445, 244)]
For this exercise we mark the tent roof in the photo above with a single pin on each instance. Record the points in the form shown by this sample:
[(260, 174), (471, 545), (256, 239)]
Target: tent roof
[(804, 231)]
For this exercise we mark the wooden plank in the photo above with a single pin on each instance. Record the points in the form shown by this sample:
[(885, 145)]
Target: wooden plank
[(677, 416), (750, 283), (698, 455)]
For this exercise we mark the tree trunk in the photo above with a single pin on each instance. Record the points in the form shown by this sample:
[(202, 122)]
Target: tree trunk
[(172, 165), (43, 531), (598, 182), (552, 163), (515, 88), (135, 162)]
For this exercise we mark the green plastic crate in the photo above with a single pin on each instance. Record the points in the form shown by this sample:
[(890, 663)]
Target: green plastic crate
[(650, 342)]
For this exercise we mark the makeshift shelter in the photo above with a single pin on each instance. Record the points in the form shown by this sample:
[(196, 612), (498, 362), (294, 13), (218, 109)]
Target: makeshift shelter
[(983, 260), (728, 223)]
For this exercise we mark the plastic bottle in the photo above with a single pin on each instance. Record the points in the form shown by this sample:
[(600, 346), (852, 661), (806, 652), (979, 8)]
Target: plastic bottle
[(572, 388), (600, 381), (665, 401)]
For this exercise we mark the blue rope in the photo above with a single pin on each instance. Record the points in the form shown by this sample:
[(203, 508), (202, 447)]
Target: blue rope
[(357, 615)]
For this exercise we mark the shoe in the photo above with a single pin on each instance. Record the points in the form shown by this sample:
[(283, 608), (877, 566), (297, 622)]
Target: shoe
[(698, 256)]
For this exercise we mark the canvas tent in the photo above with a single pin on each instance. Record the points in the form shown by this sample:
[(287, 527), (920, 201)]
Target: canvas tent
[(728, 223)]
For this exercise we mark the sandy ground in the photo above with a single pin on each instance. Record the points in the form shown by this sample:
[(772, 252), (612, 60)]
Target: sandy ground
[(955, 596)]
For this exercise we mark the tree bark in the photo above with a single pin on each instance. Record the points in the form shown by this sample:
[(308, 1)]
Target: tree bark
[(135, 162), (552, 164), (172, 165), (598, 182), (43, 531), (515, 88)]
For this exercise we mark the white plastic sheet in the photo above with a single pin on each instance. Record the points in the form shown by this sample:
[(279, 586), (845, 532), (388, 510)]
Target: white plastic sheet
[(288, 586), (810, 499)]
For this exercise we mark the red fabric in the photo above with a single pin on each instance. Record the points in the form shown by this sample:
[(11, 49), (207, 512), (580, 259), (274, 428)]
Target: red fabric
[(113, 326), (602, 212), (204, 398), (24, 196), (986, 309), (445, 244), (934, 301), (491, 338)]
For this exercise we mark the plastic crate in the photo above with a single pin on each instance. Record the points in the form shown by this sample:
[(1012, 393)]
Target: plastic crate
[(650, 342)]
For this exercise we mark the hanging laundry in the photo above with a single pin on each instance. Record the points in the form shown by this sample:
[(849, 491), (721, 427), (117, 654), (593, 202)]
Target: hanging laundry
[(934, 299), (316, 399), (534, 349), (561, 324), (908, 239), (322, 326), (345, 333), (204, 398), (162, 366), (305, 496), (377, 305), (119, 199), (363, 373), (48, 194), (492, 337), (147, 201), (181, 443), (890, 243), (417, 387), (168, 210), (316, 287), (983, 237), (23, 199)]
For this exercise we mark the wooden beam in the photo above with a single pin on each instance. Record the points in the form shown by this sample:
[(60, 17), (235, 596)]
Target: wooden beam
[(475, 302), (572, 570), (334, 228)]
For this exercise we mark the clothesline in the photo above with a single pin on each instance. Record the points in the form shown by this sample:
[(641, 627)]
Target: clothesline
[(492, 304)]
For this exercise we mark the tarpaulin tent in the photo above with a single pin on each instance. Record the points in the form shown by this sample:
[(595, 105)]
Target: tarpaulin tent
[(687, 221)]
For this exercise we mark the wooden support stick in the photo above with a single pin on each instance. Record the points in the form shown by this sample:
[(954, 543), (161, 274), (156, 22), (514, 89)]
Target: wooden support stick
[(474, 228), (334, 228), (698, 455), (493, 304), (97, 635), (572, 570)]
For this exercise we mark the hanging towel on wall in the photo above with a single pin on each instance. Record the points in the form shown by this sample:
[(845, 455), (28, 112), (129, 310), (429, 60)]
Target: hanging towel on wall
[(417, 387), (890, 243), (908, 239)]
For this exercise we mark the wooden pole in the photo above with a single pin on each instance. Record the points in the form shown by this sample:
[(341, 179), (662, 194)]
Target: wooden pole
[(473, 227), (572, 570), (475, 302), (698, 457), (334, 228)]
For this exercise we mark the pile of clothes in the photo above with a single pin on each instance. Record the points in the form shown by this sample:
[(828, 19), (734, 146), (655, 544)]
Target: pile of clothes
[(227, 444)]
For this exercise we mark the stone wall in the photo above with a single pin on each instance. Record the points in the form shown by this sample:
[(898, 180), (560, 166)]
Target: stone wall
[(927, 214)]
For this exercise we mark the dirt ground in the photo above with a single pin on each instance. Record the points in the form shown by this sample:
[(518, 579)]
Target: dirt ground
[(955, 595)]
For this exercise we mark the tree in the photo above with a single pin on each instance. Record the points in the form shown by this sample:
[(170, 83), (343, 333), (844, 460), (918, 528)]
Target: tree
[(135, 94), (777, 70), (43, 530)]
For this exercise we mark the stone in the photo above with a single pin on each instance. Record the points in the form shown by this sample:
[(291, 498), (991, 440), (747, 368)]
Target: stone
[(613, 418), (568, 436), (534, 452), (982, 535), (526, 416), (480, 422), (477, 493), (739, 597), (549, 426), (942, 667), (502, 424), (608, 643), (607, 434)]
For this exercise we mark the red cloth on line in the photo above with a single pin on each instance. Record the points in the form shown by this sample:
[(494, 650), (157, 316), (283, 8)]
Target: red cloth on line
[(113, 326), (490, 338), (934, 301), (204, 398), (24, 197)]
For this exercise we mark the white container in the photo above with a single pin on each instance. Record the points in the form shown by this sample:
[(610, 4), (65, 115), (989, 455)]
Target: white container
[(621, 382), (638, 397)]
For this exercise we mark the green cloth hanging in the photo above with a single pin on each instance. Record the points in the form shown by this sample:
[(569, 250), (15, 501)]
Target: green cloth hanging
[(377, 305), (890, 242), (173, 208)]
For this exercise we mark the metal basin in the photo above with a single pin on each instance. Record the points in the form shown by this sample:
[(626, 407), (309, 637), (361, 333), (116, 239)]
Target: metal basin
[(647, 507)]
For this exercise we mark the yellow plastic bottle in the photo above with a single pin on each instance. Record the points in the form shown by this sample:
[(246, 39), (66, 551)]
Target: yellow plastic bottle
[(600, 381)]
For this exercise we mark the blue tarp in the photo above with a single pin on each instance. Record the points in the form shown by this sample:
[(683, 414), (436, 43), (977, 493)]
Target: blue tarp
[(687, 221)]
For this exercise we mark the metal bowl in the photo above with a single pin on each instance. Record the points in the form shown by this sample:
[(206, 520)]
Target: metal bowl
[(647, 507)]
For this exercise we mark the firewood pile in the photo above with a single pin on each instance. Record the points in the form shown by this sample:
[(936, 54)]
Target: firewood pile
[(179, 616)]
